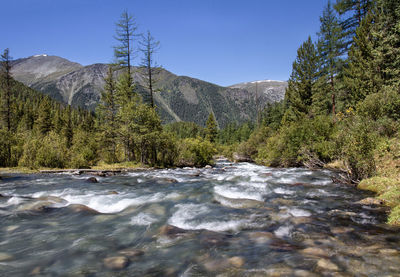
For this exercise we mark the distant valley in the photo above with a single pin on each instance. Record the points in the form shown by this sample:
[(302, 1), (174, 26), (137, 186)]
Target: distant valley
[(179, 98)]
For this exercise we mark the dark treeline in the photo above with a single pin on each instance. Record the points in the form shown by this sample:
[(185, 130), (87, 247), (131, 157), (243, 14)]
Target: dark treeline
[(343, 96)]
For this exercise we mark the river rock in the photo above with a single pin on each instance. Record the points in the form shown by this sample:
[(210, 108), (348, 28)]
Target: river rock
[(261, 237), (208, 166), (215, 265), (282, 202), (54, 199), (388, 252), (314, 251), (131, 252), (325, 264), (370, 201), (212, 239), (35, 206), (92, 180), (281, 245), (236, 261), (81, 208), (304, 273), (171, 231), (238, 158), (279, 270), (341, 230), (112, 192), (4, 257), (36, 271), (116, 263), (266, 174), (301, 220)]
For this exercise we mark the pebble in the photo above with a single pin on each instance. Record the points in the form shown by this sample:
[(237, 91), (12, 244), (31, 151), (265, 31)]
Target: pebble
[(325, 264), (314, 251), (236, 261), (118, 262)]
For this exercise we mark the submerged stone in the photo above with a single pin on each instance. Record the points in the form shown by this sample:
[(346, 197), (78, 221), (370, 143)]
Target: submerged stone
[(325, 264), (116, 263), (131, 252), (4, 257), (91, 180)]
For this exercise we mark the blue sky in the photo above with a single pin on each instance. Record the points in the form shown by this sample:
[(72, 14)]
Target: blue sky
[(220, 41)]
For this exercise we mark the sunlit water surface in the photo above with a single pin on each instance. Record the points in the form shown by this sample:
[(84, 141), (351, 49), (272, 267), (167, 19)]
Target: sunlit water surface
[(231, 220)]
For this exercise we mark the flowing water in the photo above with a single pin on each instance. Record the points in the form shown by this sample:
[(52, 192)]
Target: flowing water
[(230, 220)]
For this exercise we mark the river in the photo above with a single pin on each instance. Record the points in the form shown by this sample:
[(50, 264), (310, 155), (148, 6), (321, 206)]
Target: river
[(231, 220)]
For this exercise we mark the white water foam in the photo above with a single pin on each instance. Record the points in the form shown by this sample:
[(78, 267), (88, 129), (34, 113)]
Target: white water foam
[(283, 191), (143, 219), (194, 217), (283, 231), (236, 193)]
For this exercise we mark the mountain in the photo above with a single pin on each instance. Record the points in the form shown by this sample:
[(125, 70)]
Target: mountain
[(178, 98), (267, 90)]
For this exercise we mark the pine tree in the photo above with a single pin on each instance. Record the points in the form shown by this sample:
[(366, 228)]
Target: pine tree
[(211, 128), (386, 32), (125, 32), (353, 12), (44, 120), (6, 88), (107, 116), (330, 49), (149, 46), (362, 76), (300, 89)]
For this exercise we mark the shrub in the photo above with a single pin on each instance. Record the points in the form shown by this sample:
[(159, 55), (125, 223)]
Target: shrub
[(195, 152)]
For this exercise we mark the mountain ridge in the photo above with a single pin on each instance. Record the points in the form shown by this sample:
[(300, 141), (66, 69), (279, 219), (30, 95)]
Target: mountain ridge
[(179, 98)]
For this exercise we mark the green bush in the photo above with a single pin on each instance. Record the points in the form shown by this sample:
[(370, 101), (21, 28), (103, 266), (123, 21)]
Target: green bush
[(382, 104), (250, 147), (47, 151), (357, 142), (297, 143), (83, 152), (195, 152)]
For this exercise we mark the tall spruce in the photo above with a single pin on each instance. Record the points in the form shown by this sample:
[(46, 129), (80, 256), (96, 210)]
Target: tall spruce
[(125, 33), (386, 32), (44, 121), (352, 12), (149, 46), (6, 88), (362, 76), (301, 85), (107, 116), (211, 128), (330, 49)]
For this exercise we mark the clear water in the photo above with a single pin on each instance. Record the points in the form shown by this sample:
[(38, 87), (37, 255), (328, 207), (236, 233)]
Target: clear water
[(233, 220)]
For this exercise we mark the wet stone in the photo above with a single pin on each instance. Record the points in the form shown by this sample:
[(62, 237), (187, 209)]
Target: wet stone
[(325, 264), (78, 208), (370, 201), (236, 261), (341, 230), (279, 270), (171, 231), (116, 263), (261, 237), (388, 252), (314, 251), (91, 180), (131, 253), (304, 273)]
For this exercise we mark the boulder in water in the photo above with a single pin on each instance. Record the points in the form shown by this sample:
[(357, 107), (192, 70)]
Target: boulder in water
[(91, 180), (171, 231), (82, 208), (116, 263), (36, 206), (370, 201), (239, 158), (208, 166)]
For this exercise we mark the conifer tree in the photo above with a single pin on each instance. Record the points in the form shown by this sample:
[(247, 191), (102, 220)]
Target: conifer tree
[(353, 12), (44, 120), (125, 32), (107, 116), (362, 76), (330, 49), (211, 128), (149, 46), (6, 88), (300, 89)]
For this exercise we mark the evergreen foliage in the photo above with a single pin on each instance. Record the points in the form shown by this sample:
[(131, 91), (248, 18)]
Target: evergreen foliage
[(211, 128)]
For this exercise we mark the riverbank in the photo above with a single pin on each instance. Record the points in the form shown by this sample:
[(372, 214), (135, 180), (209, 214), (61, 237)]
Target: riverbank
[(386, 183)]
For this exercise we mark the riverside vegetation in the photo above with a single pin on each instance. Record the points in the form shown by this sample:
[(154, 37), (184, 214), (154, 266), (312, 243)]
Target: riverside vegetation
[(341, 110)]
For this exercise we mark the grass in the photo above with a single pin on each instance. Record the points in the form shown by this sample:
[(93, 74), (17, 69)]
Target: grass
[(386, 184)]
